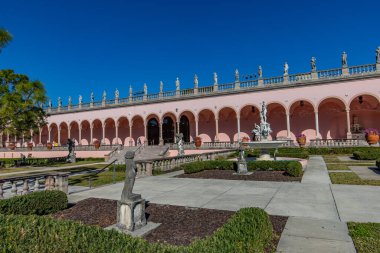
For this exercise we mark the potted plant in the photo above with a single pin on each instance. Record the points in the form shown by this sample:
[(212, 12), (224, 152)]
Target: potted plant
[(49, 145), (372, 136), (97, 144), (245, 139), (11, 146), (30, 145), (198, 142), (301, 139)]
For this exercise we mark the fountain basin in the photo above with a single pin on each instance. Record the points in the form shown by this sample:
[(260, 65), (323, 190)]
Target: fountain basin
[(264, 146)]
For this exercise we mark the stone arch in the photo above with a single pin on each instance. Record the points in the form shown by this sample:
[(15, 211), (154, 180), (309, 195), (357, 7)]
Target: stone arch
[(302, 119), (74, 131), (276, 116), (206, 125), (138, 131), (331, 98), (332, 118), (123, 131), (97, 130), (227, 120), (304, 100), (188, 130), (85, 133), (249, 116), (110, 132)]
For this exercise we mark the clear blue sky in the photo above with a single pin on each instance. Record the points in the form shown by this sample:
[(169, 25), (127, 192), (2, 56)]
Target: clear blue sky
[(75, 47)]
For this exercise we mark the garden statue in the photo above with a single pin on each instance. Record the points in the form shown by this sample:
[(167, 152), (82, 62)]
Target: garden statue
[(130, 178), (71, 147), (263, 130), (92, 97), (179, 139), (286, 69), (104, 98), (215, 78), (236, 75), (177, 87), (378, 55), (161, 86), (313, 64), (195, 81), (260, 72), (344, 59)]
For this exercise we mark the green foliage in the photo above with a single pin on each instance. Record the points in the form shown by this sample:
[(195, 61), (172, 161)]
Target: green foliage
[(249, 230), (20, 99), (351, 178), (378, 163), (39, 203), (294, 169), (267, 165), (90, 159), (341, 150), (366, 236), (207, 165), (5, 38), (367, 154), (32, 161)]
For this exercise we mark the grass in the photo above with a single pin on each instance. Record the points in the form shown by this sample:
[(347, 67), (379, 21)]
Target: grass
[(331, 166), (366, 236), (102, 178), (350, 178)]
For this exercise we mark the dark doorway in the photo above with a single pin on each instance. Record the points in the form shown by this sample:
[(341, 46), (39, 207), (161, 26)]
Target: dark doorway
[(184, 128), (153, 132), (168, 130)]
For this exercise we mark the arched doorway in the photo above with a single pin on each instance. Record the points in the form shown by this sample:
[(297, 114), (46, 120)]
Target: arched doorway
[(302, 119), (277, 120), (206, 125), (332, 119), (227, 125), (168, 130), (153, 132), (184, 128), (249, 116)]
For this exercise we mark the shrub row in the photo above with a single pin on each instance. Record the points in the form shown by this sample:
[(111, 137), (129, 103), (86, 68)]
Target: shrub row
[(39, 203), (367, 155), (378, 163), (294, 169), (91, 159), (268, 165), (249, 230), (207, 165)]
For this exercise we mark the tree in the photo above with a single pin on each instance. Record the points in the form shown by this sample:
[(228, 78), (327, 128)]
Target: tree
[(20, 101), (5, 38)]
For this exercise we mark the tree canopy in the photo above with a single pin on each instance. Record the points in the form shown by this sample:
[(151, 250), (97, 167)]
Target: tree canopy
[(5, 38), (20, 100)]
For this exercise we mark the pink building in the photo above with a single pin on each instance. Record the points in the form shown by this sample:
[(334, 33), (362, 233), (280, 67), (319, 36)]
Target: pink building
[(329, 104)]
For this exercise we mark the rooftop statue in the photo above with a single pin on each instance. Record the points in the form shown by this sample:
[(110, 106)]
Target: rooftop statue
[(286, 69), (116, 93), (104, 95), (70, 101), (177, 87), (92, 97), (236, 75), (50, 103), (80, 99), (130, 90), (378, 55), (344, 59), (161, 86), (215, 78), (313, 64), (145, 89), (195, 81), (260, 72), (59, 102)]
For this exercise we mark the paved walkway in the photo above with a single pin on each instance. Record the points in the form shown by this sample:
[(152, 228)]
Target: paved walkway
[(317, 210)]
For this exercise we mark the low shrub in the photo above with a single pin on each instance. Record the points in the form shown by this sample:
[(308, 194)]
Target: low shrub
[(267, 165), (91, 159), (249, 230), (378, 163), (195, 167), (39, 203), (366, 155), (294, 169)]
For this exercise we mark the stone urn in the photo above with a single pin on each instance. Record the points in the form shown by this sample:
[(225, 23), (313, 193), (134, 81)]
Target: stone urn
[(12, 146), (372, 136), (301, 139), (245, 139), (30, 145), (97, 144), (49, 145), (198, 142)]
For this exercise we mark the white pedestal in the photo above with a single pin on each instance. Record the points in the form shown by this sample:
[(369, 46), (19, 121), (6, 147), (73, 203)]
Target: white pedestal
[(131, 214)]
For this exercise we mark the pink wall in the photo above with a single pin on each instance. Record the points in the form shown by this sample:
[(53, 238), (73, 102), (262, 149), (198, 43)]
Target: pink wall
[(47, 154)]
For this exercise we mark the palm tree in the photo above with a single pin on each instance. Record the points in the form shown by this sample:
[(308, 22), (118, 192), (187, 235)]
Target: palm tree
[(5, 38)]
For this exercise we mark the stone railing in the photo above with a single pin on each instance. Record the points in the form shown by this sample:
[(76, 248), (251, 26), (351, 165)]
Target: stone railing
[(337, 143), (282, 81), (61, 148), (13, 186)]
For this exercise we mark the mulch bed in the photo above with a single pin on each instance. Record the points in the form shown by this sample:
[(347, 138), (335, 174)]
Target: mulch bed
[(277, 176), (179, 225)]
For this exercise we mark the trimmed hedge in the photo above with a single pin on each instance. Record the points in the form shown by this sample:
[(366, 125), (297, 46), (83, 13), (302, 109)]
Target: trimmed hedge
[(378, 163), (39, 203), (294, 169), (91, 159), (249, 230), (267, 165), (367, 155)]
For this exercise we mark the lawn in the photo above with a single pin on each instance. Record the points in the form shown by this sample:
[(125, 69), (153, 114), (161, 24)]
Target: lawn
[(102, 178), (366, 236), (332, 166), (350, 178)]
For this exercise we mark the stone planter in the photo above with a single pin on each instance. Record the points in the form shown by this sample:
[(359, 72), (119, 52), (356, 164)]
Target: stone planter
[(49, 145), (301, 141), (97, 144), (11, 146), (198, 142), (245, 139), (372, 139), (30, 145)]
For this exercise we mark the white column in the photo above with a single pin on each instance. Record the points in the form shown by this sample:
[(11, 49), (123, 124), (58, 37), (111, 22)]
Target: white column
[(40, 136), (49, 133), (117, 132), (103, 133), (216, 129), (288, 124), (80, 134), (196, 127), (91, 133), (316, 125), (349, 136), (130, 132), (69, 132), (238, 128), (161, 140), (59, 135), (145, 134), (177, 127)]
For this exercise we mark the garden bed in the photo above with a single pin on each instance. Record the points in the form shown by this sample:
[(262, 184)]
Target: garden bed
[(179, 225), (276, 176)]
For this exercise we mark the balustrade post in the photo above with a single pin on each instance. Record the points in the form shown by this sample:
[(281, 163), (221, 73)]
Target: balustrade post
[(49, 183), (1, 191), (149, 169), (36, 185), (14, 188), (62, 182), (25, 188), (349, 135)]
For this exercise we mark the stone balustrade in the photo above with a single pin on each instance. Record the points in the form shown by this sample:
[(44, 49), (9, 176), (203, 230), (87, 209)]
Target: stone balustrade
[(13, 186), (337, 143)]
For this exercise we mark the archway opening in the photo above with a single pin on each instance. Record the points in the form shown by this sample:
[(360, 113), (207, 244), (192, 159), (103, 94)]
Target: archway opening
[(168, 130), (153, 132), (302, 119), (332, 119), (277, 119), (184, 128), (249, 116), (227, 124), (206, 125)]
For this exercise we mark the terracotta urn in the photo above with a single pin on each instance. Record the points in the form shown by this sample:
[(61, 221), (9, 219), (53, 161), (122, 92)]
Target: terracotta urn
[(97, 144), (372, 139), (30, 145), (198, 142), (49, 145), (11, 146), (301, 140), (245, 139)]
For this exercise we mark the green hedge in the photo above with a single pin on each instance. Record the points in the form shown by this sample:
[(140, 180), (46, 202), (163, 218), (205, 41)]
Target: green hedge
[(39, 203), (378, 163), (294, 169), (367, 155), (249, 230), (91, 159), (267, 165)]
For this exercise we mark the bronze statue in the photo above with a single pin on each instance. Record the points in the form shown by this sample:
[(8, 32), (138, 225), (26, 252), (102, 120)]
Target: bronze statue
[(130, 178)]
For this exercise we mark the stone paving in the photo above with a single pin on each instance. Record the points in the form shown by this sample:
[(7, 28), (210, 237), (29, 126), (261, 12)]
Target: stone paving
[(366, 172), (317, 209)]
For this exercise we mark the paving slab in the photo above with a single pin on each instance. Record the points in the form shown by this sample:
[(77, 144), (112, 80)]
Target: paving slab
[(366, 172), (314, 235), (316, 171)]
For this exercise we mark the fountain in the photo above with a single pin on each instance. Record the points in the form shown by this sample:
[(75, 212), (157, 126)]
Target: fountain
[(261, 133)]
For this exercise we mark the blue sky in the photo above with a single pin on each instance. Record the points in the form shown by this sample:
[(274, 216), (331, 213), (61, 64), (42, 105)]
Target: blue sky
[(75, 47)]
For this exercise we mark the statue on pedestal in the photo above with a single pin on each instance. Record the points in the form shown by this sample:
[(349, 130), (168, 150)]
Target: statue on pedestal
[(104, 98), (378, 55), (286, 69), (313, 64), (344, 60), (80, 99), (92, 97), (130, 178), (59, 102), (71, 147), (130, 91), (215, 78), (179, 139), (195, 81), (263, 130), (161, 86), (260, 72), (236, 75), (50, 103), (177, 84), (116, 94), (145, 89), (70, 101)]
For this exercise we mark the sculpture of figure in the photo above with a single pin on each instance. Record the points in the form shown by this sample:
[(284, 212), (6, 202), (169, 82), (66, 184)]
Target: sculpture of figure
[(236, 75), (92, 97), (263, 113), (195, 81), (145, 89), (263, 130), (50, 103), (70, 145), (80, 99), (177, 84), (161, 86), (59, 102), (104, 98), (70, 101), (130, 90), (130, 177), (286, 69), (344, 59), (215, 78), (260, 72), (116, 94), (179, 138), (313, 64), (378, 55)]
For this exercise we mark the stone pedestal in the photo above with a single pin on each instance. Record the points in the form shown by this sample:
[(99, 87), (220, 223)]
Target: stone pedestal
[(242, 166), (378, 67), (264, 157), (345, 71), (131, 213)]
